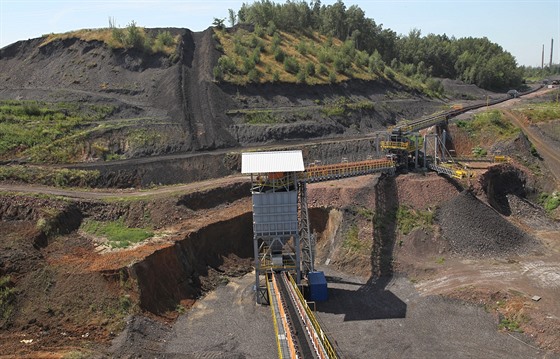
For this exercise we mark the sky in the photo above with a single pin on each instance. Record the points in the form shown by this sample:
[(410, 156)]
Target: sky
[(520, 27)]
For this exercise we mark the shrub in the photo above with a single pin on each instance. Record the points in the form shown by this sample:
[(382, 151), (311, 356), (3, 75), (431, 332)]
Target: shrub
[(254, 75), (165, 38), (248, 65), (218, 73), (332, 77), (362, 58), (31, 109), (389, 73), (323, 70), (375, 62), (279, 55), (302, 47), (479, 151), (434, 85), (310, 69), (342, 64), (324, 56), (133, 36), (291, 65), (238, 48), (276, 40), (256, 56), (271, 28), (275, 76), (259, 31), (300, 76), (227, 64)]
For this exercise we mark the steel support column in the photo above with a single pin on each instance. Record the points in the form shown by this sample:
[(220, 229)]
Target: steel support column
[(307, 240)]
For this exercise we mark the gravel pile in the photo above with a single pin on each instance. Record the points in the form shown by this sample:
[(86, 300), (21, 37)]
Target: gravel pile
[(475, 229)]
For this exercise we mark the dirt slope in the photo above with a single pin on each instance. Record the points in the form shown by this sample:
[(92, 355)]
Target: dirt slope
[(172, 104)]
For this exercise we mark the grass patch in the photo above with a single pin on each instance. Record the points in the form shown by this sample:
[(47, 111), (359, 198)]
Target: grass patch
[(131, 36), (352, 240), (408, 219), (48, 176), (366, 213), (117, 233), (510, 325), (47, 132), (260, 118), (344, 106), (542, 112), (491, 124)]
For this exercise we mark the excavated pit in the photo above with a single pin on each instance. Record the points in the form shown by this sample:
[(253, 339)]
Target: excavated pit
[(199, 262), (203, 259), (499, 182)]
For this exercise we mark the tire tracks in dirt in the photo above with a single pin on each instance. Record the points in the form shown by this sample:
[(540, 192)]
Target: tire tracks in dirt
[(94, 194)]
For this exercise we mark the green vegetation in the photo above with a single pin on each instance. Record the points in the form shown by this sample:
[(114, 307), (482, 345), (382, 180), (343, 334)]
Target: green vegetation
[(473, 60), (510, 325), (289, 57), (366, 213), (352, 240), (260, 118), (479, 152), (408, 219), (130, 37), (117, 233), (7, 297), (550, 201), (491, 123), (440, 260), (47, 132), (542, 112), (344, 106), (48, 176)]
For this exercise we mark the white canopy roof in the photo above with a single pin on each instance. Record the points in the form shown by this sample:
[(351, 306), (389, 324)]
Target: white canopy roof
[(267, 162)]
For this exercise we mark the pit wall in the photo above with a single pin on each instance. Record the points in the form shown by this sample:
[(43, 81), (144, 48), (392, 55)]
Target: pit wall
[(176, 273)]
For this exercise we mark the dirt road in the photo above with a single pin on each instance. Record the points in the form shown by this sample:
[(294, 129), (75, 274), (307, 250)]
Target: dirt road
[(99, 194), (548, 153)]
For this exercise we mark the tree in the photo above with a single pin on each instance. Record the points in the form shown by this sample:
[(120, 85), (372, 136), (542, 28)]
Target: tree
[(219, 23), (232, 17)]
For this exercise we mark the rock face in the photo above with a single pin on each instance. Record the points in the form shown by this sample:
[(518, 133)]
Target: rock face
[(475, 229)]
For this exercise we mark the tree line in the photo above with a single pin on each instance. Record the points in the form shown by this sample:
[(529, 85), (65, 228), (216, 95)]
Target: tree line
[(472, 60)]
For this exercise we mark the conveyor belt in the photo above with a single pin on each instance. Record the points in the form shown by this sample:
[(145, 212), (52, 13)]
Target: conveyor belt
[(301, 335)]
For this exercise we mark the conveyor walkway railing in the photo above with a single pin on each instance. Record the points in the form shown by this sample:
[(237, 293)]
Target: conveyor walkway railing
[(321, 173)]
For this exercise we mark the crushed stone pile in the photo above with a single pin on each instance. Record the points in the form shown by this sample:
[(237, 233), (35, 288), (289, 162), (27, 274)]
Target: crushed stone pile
[(475, 229)]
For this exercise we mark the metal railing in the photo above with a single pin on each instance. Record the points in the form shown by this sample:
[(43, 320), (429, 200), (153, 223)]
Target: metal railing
[(346, 169), (319, 338)]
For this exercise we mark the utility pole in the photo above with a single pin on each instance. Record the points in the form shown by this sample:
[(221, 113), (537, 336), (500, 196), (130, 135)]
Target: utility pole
[(542, 61)]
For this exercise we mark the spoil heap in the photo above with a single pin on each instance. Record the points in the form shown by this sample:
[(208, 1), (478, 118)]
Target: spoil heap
[(475, 229)]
